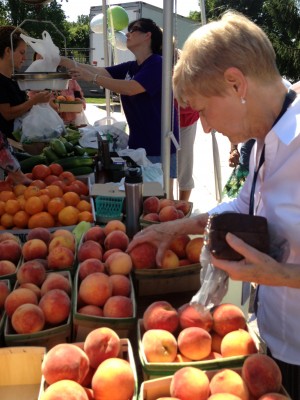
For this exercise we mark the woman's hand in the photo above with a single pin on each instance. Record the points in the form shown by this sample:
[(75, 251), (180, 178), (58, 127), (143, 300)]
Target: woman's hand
[(82, 74), (41, 97), (18, 177)]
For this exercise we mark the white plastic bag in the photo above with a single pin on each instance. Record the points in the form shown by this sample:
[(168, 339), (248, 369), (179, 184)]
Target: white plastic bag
[(41, 124)]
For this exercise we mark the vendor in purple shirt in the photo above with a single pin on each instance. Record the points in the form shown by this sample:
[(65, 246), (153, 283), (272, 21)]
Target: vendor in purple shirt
[(139, 83)]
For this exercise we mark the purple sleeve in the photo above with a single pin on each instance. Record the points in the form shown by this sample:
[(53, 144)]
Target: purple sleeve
[(7, 161)]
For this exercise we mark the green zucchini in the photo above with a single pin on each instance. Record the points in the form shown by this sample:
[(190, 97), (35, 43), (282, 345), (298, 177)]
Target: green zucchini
[(78, 150), (81, 170), (50, 155), (69, 147), (30, 162), (76, 161), (58, 147), (90, 151)]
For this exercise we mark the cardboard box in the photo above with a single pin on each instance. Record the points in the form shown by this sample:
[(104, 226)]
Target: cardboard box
[(49, 336), (126, 353), (20, 372), (150, 281), (2, 314), (69, 106), (158, 370), (152, 390), (83, 324)]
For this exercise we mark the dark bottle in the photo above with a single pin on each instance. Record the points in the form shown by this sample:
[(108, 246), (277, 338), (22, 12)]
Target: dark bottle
[(133, 199)]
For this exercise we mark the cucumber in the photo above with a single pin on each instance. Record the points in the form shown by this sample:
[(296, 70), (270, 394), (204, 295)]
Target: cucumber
[(30, 162), (76, 161), (81, 170), (50, 155), (69, 147), (78, 150), (90, 151), (58, 147)]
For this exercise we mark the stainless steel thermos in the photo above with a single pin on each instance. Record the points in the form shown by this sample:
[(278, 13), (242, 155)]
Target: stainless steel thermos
[(134, 199)]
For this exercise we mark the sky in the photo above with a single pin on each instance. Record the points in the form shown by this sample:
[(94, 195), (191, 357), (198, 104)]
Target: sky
[(74, 8)]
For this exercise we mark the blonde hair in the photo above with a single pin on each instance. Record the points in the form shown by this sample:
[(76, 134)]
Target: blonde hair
[(232, 41)]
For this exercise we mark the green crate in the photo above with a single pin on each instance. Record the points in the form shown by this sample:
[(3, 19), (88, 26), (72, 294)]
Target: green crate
[(108, 208)]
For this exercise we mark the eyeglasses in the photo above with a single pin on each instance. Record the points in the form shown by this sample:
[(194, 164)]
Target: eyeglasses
[(136, 29)]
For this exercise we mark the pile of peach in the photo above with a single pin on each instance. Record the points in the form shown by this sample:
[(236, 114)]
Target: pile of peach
[(95, 369), (183, 251), (259, 379), (10, 253), (191, 334), (33, 307), (54, 198), (162, 210), (104, 287)]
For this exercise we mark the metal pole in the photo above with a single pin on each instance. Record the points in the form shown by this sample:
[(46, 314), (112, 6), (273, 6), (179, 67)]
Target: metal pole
[(167, 99), (106, 56)]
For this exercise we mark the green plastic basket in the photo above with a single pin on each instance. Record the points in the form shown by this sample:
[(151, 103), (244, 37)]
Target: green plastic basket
[(108, 208)]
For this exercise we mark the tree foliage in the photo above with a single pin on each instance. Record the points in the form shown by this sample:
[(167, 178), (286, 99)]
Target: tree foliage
[(280, 20)]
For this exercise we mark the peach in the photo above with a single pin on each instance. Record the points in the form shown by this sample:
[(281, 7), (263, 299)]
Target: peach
[(60, 258), (151, 205), (159, 346), (183, 262), (213, 356), (216, 341), (95, 233), (91, 310), (178, 245), (55, 280), (107, 253), (89, 249), (56, 305), (65, 361), (180, 358), (32, 271), (183, 206), (7, 236), (228, 317), (194, 343), (180, 214), (223, 396), (167, 213), (101, 344), (89, 266), (114, 225), (121, 285), (113, 379), (161, 315), (4, 292), (169, 260), (143, 256), (33, 287), (151, 217), (28, 318), (190, 383), (70, 389), (18, 297), (261, 374), (7, 267), (63, 232), (237, 343), (10, 250), (39, 233), (118, 307), (95, 289), (116, 240), (195, 315), (34, 248), (273, 396), (165, 202), (193, 250), (62, 241), (118, 263), (229, 381)]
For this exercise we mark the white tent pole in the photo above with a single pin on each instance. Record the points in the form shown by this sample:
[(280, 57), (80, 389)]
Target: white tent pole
[(106, 56), (167, 99)]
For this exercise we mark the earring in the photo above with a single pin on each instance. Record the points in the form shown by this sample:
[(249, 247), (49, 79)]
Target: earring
[(243, 101)]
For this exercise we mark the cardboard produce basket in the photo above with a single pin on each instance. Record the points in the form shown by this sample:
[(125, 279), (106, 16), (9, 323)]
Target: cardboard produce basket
[(126, 353), (160, 387), (152, 281), (3, 315), (158, 370), (20, 372), (83, 324), (49, 336), (69, 106)]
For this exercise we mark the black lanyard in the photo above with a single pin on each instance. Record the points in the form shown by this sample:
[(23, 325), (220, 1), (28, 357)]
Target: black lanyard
[(289, 98)]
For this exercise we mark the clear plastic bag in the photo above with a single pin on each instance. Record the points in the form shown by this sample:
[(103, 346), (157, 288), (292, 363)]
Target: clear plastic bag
[(41, 124)]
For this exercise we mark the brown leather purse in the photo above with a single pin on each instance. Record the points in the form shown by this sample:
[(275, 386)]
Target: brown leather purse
[(250, 228)]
